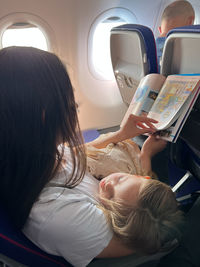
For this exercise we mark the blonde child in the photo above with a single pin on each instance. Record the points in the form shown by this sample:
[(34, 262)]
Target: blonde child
[(142, 212)]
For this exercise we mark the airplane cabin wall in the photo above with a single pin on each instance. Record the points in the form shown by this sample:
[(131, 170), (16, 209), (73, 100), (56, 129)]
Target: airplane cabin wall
[(101, 105), (68, 24)]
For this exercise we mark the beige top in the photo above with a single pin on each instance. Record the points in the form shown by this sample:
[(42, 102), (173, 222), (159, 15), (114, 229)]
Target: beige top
[(120, 157)]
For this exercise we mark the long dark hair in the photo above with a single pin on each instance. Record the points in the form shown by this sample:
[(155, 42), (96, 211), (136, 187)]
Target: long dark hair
[(37, 109)]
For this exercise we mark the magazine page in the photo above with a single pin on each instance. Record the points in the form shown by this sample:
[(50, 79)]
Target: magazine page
[(171, 134), (145, 95), (175, 91), (184, 115)]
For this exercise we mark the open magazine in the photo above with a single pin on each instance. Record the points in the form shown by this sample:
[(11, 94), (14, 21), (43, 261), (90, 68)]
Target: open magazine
[(167, 100)]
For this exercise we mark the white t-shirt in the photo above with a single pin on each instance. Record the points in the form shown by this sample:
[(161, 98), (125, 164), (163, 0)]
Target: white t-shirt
[(67, 222)]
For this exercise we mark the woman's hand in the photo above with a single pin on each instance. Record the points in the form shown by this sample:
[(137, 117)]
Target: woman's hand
[(137, 125)]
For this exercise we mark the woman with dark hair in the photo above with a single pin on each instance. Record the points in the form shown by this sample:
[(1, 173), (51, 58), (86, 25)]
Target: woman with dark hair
[(45, 187)]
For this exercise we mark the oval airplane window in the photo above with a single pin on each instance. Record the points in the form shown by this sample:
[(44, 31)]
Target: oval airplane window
[(99, 41), (197, 12), (24, 34)]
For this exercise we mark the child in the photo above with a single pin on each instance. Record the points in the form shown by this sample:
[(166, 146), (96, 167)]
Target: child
[(132, 201), (143, 212)]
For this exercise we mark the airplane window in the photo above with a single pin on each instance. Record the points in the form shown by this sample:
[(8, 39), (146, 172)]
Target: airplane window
[(24, 34), (101, 55), (99, 41)]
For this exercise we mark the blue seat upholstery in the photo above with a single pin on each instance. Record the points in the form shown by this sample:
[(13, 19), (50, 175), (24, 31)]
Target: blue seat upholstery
[(160, 41), (185, 29), (183, 160), (183, 44), (15, 245)]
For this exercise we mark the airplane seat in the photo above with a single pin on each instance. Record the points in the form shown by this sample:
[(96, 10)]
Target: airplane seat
[(184, 172), (181, 56), (185, 29), (180, 51), (18, 250), (133, 55), (160, 41), (90, 134), (130, 46)]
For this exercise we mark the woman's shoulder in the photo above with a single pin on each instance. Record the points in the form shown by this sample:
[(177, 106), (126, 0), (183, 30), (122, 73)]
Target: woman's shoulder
[(57, 197), (67, 224)]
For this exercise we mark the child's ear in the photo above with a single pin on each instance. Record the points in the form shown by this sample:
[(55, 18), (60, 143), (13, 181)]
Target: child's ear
[(107, 191)]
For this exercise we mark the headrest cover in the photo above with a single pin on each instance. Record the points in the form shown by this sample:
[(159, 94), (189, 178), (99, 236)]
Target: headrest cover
[(148, 39), (185, 29)]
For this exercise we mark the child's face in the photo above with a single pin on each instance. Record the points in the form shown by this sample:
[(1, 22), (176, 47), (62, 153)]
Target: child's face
[(121, 186)]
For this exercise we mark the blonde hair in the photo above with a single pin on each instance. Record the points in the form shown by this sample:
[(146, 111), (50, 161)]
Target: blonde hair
[(149, 226), (178, 8)]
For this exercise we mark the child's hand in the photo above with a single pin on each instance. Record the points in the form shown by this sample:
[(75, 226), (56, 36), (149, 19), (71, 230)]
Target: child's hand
[(152, 146), (134, 126), (137, 125)]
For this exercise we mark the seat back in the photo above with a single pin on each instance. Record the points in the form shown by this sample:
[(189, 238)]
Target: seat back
[(133, 55), (181, 51), (181, 55), (15, 246), (184, 162)]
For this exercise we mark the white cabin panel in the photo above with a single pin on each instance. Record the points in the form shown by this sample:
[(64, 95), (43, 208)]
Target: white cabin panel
[(67, 25)]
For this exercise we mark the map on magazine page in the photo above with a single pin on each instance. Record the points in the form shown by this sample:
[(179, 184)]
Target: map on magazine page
[(168, 104)]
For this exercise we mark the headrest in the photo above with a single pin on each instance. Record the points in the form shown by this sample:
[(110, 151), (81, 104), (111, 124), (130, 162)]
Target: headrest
[(149, 42), (181, 51), (185, 29), (133, 56)]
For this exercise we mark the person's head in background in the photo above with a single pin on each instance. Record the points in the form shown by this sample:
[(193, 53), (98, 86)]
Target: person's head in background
[(177, 14), (143, 212)]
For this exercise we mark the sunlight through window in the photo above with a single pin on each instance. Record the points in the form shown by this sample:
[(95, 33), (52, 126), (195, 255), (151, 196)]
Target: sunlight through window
[(24, 34), (99, 58), (101, 48)]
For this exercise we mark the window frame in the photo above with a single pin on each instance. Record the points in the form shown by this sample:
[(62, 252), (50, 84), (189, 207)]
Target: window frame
[(21, 17), (123, 14)]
